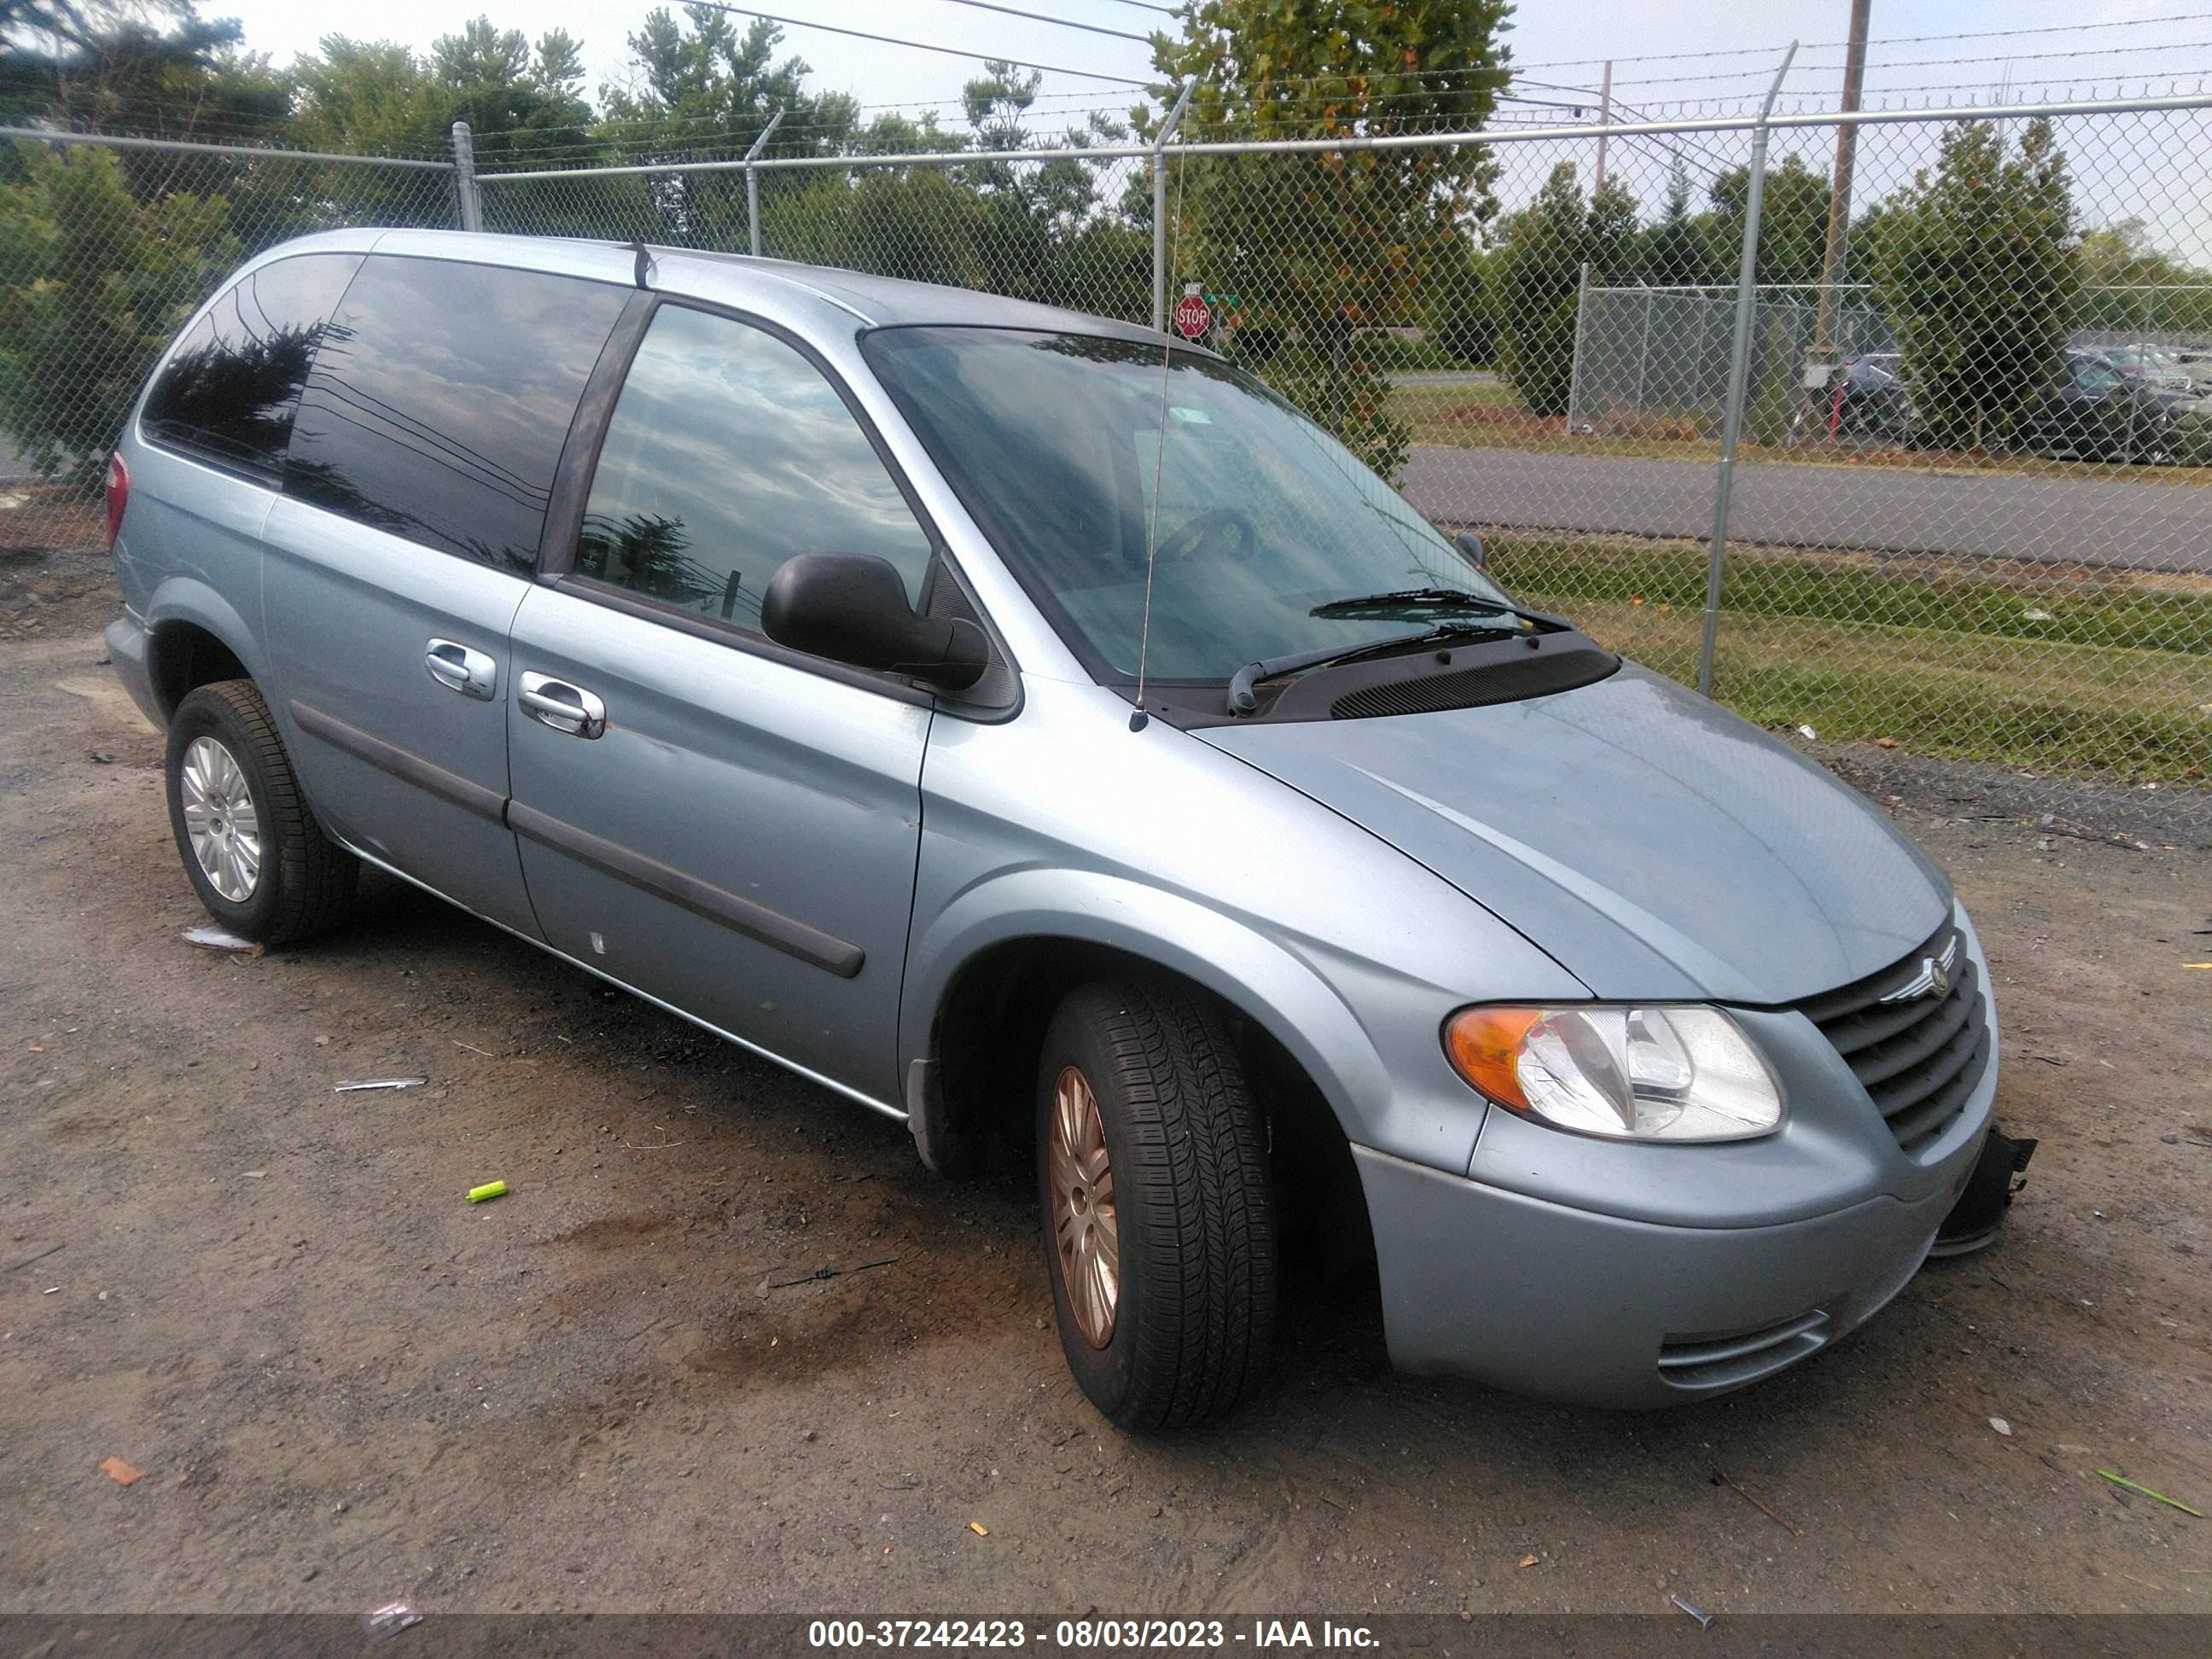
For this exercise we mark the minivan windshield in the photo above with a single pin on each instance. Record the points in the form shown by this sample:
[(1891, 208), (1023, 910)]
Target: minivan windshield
[(1053, 442)]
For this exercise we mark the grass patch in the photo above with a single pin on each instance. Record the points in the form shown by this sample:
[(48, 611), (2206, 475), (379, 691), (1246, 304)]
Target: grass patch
[(2116, 679)]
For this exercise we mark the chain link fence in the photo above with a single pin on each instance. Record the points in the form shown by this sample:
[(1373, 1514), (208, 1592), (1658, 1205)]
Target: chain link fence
[(1965, 515), (106, 246)]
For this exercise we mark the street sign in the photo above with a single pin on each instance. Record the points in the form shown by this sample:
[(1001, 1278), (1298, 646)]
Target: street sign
[(1192, 316)]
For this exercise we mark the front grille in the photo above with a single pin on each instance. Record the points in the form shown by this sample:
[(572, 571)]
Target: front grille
[(1729, 1361), (1514, 680), (1919, 1053)]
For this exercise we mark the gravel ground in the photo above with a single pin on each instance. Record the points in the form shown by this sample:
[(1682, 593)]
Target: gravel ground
[(345, 1385)]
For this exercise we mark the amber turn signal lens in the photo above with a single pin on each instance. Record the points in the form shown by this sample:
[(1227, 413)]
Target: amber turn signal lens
[(1482, 1044)]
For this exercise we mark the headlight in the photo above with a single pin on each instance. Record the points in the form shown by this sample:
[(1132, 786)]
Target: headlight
[(1631, 1073)]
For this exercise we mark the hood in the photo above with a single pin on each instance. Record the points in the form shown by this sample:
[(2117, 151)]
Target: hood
[(1652, 843)]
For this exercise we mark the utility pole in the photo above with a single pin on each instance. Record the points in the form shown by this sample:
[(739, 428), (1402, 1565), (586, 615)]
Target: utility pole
[(1604, 120), (1827, 351)]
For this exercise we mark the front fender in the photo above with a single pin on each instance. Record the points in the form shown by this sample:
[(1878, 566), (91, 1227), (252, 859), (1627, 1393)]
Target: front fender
[(1257, 976)]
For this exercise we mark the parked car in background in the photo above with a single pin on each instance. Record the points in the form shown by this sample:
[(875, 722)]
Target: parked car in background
[(2091, 411), (2149, 368), (1039, 732), (1873, 401), (2198, 366)]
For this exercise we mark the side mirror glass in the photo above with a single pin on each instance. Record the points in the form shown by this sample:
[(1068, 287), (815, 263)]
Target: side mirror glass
[(1471, 544), (851, 608)]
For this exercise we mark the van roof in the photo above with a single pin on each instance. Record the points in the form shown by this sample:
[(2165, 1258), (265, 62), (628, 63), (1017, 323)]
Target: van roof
[(727, 278)]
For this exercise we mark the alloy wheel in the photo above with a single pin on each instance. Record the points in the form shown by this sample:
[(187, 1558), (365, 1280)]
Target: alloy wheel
[(220, 819), (1085, 1227)]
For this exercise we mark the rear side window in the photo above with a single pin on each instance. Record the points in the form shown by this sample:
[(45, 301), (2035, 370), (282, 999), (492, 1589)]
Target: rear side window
[(440, 399), (229, 391), (728, 453)]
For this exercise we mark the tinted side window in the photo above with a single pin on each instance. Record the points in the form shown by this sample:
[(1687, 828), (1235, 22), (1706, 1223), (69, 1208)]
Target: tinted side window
[(229, 391), (440, 401), (728, 452)]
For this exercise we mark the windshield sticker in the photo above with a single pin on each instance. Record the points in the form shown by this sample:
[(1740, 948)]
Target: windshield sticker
[(1189, 415)]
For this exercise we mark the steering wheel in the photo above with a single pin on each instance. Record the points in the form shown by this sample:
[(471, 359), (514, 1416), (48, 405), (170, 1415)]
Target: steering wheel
[(1213, 523)]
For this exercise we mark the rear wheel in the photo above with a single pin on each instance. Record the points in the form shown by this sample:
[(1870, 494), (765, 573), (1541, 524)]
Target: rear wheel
[(255, 854), (1160, 1224)]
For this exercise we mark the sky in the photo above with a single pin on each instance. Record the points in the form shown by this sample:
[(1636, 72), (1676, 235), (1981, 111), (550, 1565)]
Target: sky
[(2103, 39)]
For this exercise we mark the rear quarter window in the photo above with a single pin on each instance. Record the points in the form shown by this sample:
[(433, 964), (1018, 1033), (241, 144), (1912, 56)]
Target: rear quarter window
[(229, 391), (439, 403)]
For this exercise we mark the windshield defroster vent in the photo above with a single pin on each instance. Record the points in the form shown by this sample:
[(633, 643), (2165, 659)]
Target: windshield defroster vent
[(1513, 679)]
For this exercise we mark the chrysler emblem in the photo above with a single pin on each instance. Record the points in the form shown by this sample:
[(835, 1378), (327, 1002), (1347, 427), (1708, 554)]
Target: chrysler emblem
[(1933, 979)]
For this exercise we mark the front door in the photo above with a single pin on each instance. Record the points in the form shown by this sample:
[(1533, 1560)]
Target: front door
[(702, 815)]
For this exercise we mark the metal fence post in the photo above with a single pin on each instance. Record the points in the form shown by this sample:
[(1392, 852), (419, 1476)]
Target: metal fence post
[(1643, 351), (752, 181), (1575, 362), (465, 178), (1160, 207), (1746, 289)]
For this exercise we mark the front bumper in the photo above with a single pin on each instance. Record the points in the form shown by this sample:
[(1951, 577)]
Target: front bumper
[(127, 638), (1571, 1305)]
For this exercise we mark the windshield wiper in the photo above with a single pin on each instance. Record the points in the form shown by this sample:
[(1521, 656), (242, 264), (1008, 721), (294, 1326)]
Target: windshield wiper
[(1411, 599), (1242, 700)]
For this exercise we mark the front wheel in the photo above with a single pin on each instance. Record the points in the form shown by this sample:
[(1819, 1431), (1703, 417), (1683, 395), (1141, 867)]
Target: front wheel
[(1159, 1211), (258, 859)]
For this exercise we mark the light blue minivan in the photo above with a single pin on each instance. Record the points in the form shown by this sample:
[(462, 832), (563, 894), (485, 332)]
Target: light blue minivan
[(1045, 735)]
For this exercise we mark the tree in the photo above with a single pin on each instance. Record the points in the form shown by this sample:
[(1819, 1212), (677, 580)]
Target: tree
[(92, 284), (1538, 281), (2128, 285), (491, 79), (364, 97), (1793, 221), (1680, 249), (1459, 318), (1322, 248), (700, 90), (109, 62), (1977, 266), (155, 69)]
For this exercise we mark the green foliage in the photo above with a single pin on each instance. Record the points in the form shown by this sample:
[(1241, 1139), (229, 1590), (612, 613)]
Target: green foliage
[(1793, 222), (1323, 247), (154, 67), (1538, 279), (93, 284), (1977, 266), (1459, 316)]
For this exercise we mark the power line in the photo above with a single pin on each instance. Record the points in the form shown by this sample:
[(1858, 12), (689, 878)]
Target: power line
[(919, 46), (1057, 22), (1895, 40), (1938, 63), (2048, 28)]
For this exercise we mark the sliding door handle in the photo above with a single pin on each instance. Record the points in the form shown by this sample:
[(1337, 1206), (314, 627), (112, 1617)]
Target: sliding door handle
[(458, 668)]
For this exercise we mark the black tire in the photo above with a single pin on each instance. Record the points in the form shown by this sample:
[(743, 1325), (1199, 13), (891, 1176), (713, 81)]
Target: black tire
[(305, 883), (1188, 1149)]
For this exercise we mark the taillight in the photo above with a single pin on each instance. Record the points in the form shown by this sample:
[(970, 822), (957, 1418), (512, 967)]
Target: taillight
[(119, 495)]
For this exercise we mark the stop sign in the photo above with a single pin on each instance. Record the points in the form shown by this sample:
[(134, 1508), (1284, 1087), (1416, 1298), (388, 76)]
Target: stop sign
[(1193, 316)]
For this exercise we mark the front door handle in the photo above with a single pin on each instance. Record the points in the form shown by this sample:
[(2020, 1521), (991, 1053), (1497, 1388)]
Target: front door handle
[(563, 707), (458, 668)]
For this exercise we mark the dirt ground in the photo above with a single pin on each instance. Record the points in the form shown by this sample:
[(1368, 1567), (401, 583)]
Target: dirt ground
[(345, 1385)]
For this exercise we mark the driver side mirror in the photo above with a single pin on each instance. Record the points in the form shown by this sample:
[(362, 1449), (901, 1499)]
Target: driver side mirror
[(1471, 544), (851, 608)]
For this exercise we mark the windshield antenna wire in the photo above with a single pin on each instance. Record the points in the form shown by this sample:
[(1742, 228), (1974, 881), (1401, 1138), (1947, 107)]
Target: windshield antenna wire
[(1137, 719)]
